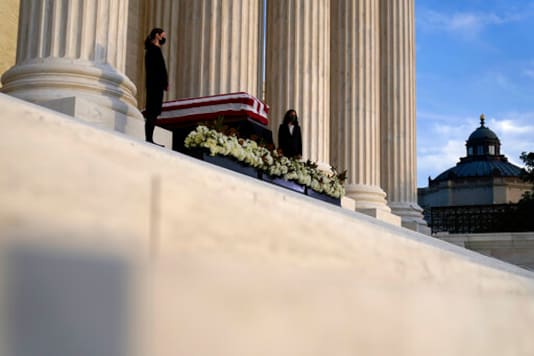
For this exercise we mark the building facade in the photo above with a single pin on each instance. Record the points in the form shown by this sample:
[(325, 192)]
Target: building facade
[(346, 66), (483, 182)]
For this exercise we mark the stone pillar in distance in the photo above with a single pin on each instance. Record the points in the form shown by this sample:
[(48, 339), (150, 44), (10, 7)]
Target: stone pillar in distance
[(217, 47), (163, 14), (297, 70), (398, 112), (355, 104)]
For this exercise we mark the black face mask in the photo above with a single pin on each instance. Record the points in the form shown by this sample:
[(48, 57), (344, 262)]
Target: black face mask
[(162, 41)]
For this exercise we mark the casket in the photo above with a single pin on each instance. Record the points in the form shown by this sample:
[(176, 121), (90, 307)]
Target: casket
[(246, 113), (184, 112)]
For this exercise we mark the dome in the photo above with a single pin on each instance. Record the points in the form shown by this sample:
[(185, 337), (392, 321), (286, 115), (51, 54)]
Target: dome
[(481, 168), (483, 143), (483, 133), (483, 158)]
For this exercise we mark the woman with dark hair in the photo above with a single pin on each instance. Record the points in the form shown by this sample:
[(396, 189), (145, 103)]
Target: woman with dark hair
[(156, 80), (289, 135)]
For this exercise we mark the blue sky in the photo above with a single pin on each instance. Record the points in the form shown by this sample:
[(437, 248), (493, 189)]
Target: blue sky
[(473, 57)]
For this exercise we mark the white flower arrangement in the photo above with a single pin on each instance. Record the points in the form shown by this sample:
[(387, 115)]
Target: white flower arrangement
[(270, 162)]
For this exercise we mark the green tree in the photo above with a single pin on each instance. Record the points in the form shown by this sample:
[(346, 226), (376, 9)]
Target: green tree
[(527, 174), (523, 217)]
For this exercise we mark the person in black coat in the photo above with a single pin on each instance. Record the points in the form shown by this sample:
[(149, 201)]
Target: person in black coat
[(156, 80), (289, 135)]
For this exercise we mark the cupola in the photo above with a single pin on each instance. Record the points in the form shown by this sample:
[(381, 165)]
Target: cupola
[(483, 159), (483, 142)]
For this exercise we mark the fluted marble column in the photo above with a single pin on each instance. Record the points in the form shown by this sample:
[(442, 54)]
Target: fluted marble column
[(74, 49), (355, 142), (397, 110), (216, 47), (297, 70), (135, 52), (165, 14)]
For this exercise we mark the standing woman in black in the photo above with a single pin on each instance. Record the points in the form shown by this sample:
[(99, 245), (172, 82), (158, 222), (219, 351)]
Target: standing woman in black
[(289, 135), (156, 79)]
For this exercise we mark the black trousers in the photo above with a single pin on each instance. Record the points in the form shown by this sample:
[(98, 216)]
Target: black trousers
[(154, 101)]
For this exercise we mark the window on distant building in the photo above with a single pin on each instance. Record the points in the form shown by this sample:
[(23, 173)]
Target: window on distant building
[(491, 150), (480, 150), (469, 151)]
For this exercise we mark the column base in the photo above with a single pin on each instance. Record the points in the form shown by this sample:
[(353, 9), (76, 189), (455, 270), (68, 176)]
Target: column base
[(46, 79), (421, 228), (367, 197), (93, 92), (369, 200), (348, 203), (105, 118), (412, 216)]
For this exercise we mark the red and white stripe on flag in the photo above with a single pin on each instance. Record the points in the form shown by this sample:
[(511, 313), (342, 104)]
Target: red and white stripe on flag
[(211, 107)]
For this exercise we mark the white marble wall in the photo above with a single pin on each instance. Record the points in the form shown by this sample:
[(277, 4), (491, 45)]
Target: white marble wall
[(216, 263)]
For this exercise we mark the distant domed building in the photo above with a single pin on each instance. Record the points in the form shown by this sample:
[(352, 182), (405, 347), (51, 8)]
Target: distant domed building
[(481, 184)]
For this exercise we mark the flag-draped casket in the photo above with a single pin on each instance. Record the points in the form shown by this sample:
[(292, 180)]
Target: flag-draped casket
[(246, 113)]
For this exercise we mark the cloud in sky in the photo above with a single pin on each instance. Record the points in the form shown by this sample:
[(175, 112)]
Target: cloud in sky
[(499, 81), (469, 24), (440, 142), (443, 155), (516, 132), (528, 70)]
